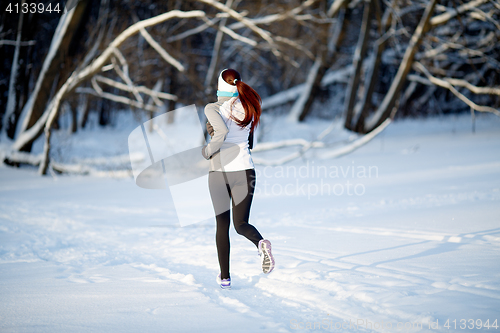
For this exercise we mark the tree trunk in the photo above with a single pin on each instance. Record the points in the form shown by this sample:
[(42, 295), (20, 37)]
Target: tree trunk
[(51, 68), (171, 103), (385, 109), (47, 119), (73, 108), (157, 87), (27, 64), (359, 55), (12, 100), (103, 113), (297, 111), (372, 75), (83, 109), (303, 104)]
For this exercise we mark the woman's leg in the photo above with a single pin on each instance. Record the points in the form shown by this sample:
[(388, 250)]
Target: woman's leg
[(219, 191), (242, 188)]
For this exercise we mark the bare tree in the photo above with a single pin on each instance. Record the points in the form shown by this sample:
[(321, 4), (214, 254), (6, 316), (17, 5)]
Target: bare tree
[(52, 68), (400, 48), (113, 60), (324, 60), (12, 97), (386, 108)]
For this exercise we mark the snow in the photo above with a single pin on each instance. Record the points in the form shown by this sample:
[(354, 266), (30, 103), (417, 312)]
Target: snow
[(404, 230)]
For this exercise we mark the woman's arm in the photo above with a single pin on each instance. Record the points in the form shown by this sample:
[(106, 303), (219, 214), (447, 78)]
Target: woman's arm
[(210, 129), (220, 130)]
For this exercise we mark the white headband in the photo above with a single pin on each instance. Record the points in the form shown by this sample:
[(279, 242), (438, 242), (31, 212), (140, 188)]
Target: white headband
[(224, 86)]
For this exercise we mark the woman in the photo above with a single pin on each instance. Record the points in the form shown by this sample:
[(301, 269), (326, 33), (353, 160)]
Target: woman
[(231, 123)]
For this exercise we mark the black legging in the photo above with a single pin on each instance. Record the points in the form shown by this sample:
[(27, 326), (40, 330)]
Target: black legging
[(238, 187)]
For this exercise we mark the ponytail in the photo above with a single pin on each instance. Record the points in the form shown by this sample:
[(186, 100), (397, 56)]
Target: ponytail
[(249, 98), (251, 102)]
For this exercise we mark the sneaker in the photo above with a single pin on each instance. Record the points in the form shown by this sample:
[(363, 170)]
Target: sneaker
[(266, 257), (224, 283)]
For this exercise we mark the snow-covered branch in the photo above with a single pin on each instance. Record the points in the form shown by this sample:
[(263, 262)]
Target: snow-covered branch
[(47, 118), (307, 145), (142, 89), (124, 74), (283, 160), (357, 143), (116, 98), (15, 43), (266, 35), (445, 17), (164, 54), (273, 18), (448, 85), (214, 60), (193, 31), (231, 33), (335, 7), (459, 83), (286, 143), (289, 95), (82, 167)]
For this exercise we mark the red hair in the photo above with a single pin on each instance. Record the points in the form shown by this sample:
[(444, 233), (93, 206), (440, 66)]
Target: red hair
[(249, 98)]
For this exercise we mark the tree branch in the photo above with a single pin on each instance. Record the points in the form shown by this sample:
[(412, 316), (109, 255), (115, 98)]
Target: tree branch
[(443, 18), (216, 49), (275, 17), (387, 105), (14, 43), (47, 118), (266, 35), (164, 54), (445, 84), (116, 98), (193, 31), (357, 143), (336, 5), (232, 34), (142, 89), (124, 74)]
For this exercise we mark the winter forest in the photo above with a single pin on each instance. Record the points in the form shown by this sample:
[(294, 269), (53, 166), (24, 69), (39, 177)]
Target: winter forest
[(364, 61), (377, 159)]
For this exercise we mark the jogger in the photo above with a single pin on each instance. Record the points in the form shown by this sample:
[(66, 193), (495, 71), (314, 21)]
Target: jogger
[(231, 122)]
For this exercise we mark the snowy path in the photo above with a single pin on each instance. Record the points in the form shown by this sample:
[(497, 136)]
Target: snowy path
[(420, 245)]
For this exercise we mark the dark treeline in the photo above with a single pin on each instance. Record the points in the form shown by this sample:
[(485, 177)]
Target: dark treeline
[(364, 60)]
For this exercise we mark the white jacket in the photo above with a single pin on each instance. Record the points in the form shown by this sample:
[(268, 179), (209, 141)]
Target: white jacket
[(232, 158)]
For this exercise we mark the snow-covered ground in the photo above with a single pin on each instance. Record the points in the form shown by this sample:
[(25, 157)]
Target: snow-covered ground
[(404, 232)]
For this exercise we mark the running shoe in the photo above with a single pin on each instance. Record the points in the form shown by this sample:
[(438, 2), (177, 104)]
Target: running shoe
[(266, 257), (224, 283)]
